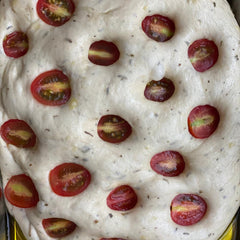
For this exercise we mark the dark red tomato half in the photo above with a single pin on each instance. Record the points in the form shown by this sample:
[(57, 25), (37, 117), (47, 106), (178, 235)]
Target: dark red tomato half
[(122, 198), (113, 129), (56, 12), (168, 163), (69, 179), (187, 209), (18, 133), (203, 54), (15, 44), (20, 191), (112, 239), (51, 88), (58, 227), (203, 120)]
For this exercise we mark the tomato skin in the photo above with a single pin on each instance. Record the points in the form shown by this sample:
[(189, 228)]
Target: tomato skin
[(16, 44), (69, 179), (187, 209), (45, 90), (26, 186), (113, 129), (9, 133), (122, 198), (159, 28), (50, 11), (203, 121), (58, 227), (203, 54), (168, 163)]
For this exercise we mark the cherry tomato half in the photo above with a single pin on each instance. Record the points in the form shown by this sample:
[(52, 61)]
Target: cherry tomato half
[(113, 129), (15, 44), (21, 192), (18, 133), (55, 12), (168, 163), (187, 209), (69, 179), (51, 88), (122, 198), (58, 227)]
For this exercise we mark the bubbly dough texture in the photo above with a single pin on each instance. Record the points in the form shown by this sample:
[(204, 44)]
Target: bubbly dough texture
[(212, 165)]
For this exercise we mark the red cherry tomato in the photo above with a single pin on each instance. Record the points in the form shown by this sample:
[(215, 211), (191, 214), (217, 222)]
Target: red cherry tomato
[(168, 163), (203, 54), (15, 44), (122, 198), (51, 88), (203, 120), (187, 209), (21, 192), (158, 27), (103, 53), (69, 179), (58, 227), (56, 12), (113, 129), (18, 133)]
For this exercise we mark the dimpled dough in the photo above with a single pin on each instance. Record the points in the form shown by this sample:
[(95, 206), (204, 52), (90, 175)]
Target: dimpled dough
[(69, 133)]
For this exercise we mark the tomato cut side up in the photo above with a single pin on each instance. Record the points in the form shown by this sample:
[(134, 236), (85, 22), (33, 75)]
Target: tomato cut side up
[(187, 209), (51, 88), (18, 133), (122, 198), (58, 227), (16, 44), (20, 191), (55, 12), (168, 163), (113, 129), (69, 179)]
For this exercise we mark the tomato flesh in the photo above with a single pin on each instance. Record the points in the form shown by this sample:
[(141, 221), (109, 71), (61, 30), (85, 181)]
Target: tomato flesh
[(158, 27), (58, 227), (21, 192), (187, 209), (69, 179), (113, 129), (18, 133), (203, 54), (159, 91), (122, 198), (51, 88), (203, 121), (55, 12), (16, 44), (168, 163)]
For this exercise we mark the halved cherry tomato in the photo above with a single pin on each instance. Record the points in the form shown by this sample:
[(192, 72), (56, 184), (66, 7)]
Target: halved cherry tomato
[(158, 27), (58, 227), (203, 54), (122, 198), (15, 44), (159, 91), (69, 179), (20, 191), (168, 163), (187, 209), (18, 133), (55, 12), (113, 129), (51, 88), (203, 120), (103, 53)]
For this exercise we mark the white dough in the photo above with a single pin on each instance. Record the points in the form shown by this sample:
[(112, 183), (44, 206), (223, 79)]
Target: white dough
[(212, 165)]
